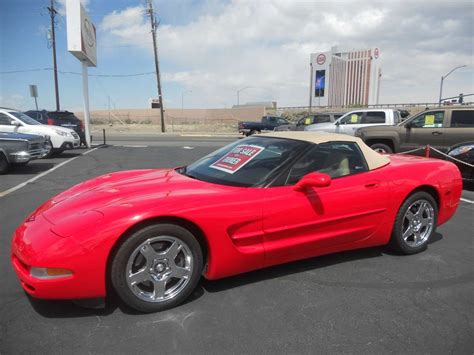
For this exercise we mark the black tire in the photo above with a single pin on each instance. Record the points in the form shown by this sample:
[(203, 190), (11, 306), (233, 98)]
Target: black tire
[(50, 154), (397, 241), (382, 148), (133, 246), (56, 152), (251, 132), (3, 164)]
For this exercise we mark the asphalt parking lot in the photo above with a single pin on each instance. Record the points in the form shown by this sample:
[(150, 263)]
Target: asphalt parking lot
[(370, 301)]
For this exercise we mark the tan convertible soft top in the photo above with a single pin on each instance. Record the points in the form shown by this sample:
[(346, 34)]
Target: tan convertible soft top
[(374, 159)]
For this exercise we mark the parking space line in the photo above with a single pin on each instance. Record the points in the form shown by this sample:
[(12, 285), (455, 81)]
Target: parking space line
[(23, 184), (466, 200)]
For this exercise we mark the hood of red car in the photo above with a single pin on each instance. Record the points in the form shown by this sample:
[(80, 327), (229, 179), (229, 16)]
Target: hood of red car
[(122, 188)]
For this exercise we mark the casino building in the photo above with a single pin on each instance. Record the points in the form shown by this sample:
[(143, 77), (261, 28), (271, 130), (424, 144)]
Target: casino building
[(345, 78)]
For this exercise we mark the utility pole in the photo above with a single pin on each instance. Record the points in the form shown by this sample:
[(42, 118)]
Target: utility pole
[(52, 14), (154, 26)]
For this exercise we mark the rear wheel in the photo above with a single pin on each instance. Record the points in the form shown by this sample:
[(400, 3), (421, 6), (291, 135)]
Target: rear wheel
[(381, 148), (57, 151), (157, 267), (415, 223), (3, 164)]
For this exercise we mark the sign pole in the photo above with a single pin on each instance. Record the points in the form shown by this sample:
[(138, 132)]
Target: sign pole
[(85, 94), (36, 103)]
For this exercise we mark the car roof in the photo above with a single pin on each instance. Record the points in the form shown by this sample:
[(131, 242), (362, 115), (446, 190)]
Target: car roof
[(374, 159)]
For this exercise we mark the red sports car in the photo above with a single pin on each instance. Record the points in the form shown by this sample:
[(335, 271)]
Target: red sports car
[(261, 201)]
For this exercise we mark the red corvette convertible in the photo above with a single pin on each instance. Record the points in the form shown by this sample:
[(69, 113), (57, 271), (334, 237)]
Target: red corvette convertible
[(260, 201)]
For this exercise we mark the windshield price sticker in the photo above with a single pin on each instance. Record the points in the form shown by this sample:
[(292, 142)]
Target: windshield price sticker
[(354, 118), (307, 121), (429, 120), (237, 158)]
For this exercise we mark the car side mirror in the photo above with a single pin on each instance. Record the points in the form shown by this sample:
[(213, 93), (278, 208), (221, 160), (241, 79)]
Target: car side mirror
[(408, 125), (15, 123), (312, 180), (337, 123)]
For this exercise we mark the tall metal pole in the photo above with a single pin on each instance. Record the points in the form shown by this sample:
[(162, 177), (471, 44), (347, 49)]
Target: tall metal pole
[(442, 80), (310, 86), (52, 13), (85, 94), (154, 26)]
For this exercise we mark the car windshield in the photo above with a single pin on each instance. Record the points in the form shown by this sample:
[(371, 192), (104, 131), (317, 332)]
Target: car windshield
[(24, 118), (247, 162)]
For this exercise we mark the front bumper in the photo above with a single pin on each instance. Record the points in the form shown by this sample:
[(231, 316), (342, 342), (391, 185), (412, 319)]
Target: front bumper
[(20, 157), (71, 144), (35, 245)]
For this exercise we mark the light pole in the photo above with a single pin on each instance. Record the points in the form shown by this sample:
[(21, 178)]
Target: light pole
[(442, 79), (238, 93), (182, 97)]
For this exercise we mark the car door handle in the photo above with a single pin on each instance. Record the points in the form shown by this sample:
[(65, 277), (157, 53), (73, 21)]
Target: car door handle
[(372, 184), (437, 133)]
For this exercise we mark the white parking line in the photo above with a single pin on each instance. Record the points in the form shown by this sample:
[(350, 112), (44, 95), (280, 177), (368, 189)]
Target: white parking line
[(23, 184), (466, 200)]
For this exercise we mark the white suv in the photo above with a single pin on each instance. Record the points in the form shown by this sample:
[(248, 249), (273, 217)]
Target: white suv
[(353, 120), (60, 138)]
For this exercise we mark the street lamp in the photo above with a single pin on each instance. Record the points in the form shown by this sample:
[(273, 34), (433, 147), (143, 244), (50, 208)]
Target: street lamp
[(182, 97), (442, 79), (238, 93)]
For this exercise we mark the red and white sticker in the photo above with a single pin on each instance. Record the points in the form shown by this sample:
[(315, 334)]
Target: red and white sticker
[(237, 158)]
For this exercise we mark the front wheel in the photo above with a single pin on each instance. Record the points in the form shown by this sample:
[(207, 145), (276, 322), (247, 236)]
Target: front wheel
[(415, 223), (3, 164), (157, 267)]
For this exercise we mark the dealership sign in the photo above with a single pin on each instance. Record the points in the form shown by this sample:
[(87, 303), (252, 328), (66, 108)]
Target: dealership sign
[(81, 33)]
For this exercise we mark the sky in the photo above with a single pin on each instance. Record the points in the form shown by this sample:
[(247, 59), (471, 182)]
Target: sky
[(210, 49)]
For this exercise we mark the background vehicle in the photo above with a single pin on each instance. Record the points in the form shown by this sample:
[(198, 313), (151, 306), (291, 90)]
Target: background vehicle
[(19, 149), (60, 138), (268, 123), (265, 200), (441, 128), (464, 152), (59, 118), (353, 120), (309, 120)]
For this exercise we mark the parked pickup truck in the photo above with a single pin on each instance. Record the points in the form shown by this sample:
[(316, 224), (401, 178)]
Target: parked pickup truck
[(440, 128), (19, 149), (354, 120), (268, 123), (309, 120)]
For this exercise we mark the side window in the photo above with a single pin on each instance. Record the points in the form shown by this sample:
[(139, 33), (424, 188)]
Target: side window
[(431, 119), (271, 120), (396, 117), (353, 118), (374, 117), (282, 121), (322, 119), (5, 120), (337, 159), (462, 118)]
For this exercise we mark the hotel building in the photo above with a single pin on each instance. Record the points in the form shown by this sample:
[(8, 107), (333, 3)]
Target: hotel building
[(345, 78)]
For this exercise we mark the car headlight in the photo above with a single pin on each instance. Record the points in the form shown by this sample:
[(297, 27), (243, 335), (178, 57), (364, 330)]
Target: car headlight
[(461, 150), (61, 133)]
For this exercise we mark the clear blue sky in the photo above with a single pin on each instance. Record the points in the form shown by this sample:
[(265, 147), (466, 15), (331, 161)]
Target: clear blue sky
[(214, 47)]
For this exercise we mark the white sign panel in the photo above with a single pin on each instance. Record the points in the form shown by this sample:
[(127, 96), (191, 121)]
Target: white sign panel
[(81, 33)]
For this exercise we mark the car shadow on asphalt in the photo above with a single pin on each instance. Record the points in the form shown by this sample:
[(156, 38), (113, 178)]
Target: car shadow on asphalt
[(31, 169), (67, 309), (305, 265)]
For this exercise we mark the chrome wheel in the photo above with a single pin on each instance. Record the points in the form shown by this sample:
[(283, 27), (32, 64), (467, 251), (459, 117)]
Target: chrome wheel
[(159, 268), (418, 222)]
